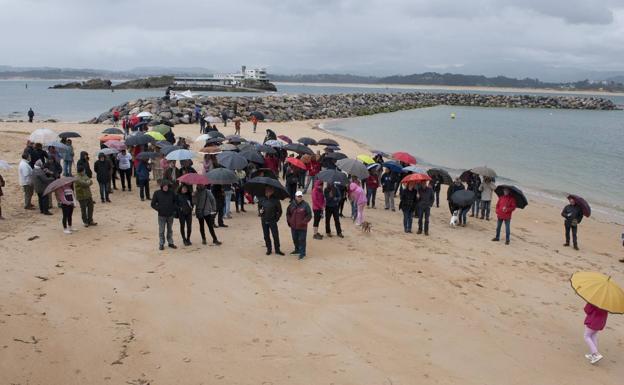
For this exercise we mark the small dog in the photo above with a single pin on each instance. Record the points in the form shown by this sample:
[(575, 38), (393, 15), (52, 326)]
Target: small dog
[(454, 219), (366, 227)]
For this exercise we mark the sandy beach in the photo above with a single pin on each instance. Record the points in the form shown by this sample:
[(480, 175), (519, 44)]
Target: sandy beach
[(104, 306)]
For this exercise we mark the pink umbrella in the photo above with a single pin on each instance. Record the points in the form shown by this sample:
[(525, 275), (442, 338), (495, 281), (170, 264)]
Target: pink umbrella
[(57, 184), (285, 138), (193, 178), (116, 144)]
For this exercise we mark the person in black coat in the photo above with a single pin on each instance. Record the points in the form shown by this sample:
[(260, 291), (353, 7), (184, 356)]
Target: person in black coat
[(84, 163), (456, 186), (38, 153), (219, 194), (409, 198), (437, 186), (425, 202), (163, 201), (573, 215), (184, 207), (103, 172), (270, 209)]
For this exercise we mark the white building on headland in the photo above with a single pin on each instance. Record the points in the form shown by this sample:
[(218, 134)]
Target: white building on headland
[(230, 80)]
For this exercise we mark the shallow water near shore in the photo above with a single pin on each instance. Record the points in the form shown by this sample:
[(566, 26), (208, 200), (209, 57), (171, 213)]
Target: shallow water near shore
[(547, 152)]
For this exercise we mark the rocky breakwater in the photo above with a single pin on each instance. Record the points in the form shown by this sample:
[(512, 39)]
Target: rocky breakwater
[(303, 107)]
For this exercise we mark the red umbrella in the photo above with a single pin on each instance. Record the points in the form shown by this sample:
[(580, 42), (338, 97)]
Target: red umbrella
[(297, 163), (107, 137), (194, 178), (416, 178), (116, 144), (582, 203), (404, 157), (285, 138)]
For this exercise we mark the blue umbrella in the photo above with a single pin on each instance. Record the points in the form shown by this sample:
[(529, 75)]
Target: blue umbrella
[(393, 166), (414, 169)]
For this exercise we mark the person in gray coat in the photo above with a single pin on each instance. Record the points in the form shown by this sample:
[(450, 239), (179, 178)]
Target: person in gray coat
[(205, 211), (486, 188)]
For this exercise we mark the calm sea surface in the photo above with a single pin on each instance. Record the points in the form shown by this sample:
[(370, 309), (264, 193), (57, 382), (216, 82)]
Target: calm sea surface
[(546, 152)]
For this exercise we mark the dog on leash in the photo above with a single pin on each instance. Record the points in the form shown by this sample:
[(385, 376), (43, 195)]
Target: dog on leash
[(454, 219), (366, 227)]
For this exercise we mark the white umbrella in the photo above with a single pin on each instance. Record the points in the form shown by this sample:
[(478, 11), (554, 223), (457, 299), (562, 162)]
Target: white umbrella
[(213, 119), (202, 138), (144, 114), (180, 155), (43, 135), (4, 165)]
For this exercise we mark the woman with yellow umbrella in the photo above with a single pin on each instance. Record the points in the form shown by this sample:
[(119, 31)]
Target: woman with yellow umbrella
[(603, 296)]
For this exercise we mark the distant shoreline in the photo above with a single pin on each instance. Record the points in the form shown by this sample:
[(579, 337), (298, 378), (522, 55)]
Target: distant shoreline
[(455, 88)]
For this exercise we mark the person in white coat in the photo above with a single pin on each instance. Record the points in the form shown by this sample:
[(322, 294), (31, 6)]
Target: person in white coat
[(25, 180)]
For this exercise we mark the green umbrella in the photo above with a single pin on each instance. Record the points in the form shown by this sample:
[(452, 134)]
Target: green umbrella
[(161, 128)]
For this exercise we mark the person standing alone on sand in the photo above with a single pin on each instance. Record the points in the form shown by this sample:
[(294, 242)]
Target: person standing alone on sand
[(31, 115), (573, 216), (254, 121), (270, 213), (298, 215), (1, 194), (595, 321), (504, 207), (163, 201)]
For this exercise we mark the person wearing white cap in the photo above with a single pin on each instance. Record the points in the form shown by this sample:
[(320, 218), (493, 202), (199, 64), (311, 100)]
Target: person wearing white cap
[(298, 215)]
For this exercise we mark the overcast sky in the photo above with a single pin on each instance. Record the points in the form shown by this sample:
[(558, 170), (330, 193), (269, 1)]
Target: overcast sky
[(378, 37)]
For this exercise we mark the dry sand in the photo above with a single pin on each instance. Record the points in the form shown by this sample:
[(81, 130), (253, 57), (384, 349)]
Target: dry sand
[(104, 306)]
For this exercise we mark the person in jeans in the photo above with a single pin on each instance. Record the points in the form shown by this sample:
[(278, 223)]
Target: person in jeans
[(103, 172), (423, 206), (184, 207), (388, 184), (142, 174), (68, 157), (205, 210), (504, 207), (1, 194), (298, 215), (82, 185), (219, 195), (314, 167), (41, 179), (270, 213), (227, 201), (163, 201), (437, 186), (409, 199), (25, 180), (573, 215), (487, 189), (333, 197), (372, 184), (124, 161), (473, 185), (318, 205), (65, 196)]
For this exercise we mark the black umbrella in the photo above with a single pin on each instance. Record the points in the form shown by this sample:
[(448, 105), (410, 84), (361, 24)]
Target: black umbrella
[(521, 201), (258, 115), (217, 140), (332, 176), (234, 139), (252, 155), (328, 142), (307, 141), (463, 198), (267, 172), (165, 150), (163, 143), (298, 148), (139, 140), (222, 176), (232, 160), (264, 148), (69, 134), (257, 186), (113, 131), (335, 155), (466, 176), (216, 134), (444, 176), (145, 155), (582, 203)]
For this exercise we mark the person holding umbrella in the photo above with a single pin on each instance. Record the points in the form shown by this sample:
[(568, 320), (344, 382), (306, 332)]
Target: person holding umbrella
[(333, 197), (65, 196), (291, 179), (82, 185), (573, 215), (388, 184), (142, 179), (423, 206), (68, 157), (184, 207), (103, 172), (270, 212), (41, 179), (298, 215), (205, 210), (409, 199), (486, 188), (504, 208), (163, 201)]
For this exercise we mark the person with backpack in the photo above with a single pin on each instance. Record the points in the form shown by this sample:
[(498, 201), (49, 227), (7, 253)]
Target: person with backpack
[(333, 197)]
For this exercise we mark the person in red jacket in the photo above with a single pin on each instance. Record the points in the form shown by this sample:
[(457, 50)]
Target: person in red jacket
[(372, 184), (595, 321), (298, 215), (504, 207), (314, 167)]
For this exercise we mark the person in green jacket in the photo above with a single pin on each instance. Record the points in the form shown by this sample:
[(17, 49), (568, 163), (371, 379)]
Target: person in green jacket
[(82, 185)]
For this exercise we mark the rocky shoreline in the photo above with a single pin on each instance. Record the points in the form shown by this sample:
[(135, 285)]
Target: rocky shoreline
[(303, 107)]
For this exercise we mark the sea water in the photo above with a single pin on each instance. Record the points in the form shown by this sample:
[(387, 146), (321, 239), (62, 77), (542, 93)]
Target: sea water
[(546, 152)]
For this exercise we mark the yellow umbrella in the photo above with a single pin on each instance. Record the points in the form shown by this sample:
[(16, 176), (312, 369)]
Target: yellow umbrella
[(156, 135), (366, 159), (599, 290)]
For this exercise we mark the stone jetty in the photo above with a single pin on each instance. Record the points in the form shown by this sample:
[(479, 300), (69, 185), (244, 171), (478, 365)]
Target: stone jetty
[(281, 108)]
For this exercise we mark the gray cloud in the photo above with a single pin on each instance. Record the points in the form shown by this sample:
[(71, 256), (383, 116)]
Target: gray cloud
[(514, 37)]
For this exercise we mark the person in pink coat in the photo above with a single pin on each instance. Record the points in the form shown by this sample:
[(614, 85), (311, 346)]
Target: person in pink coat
[(358, 196), (595, 321), (318, 205), (65, 196)]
